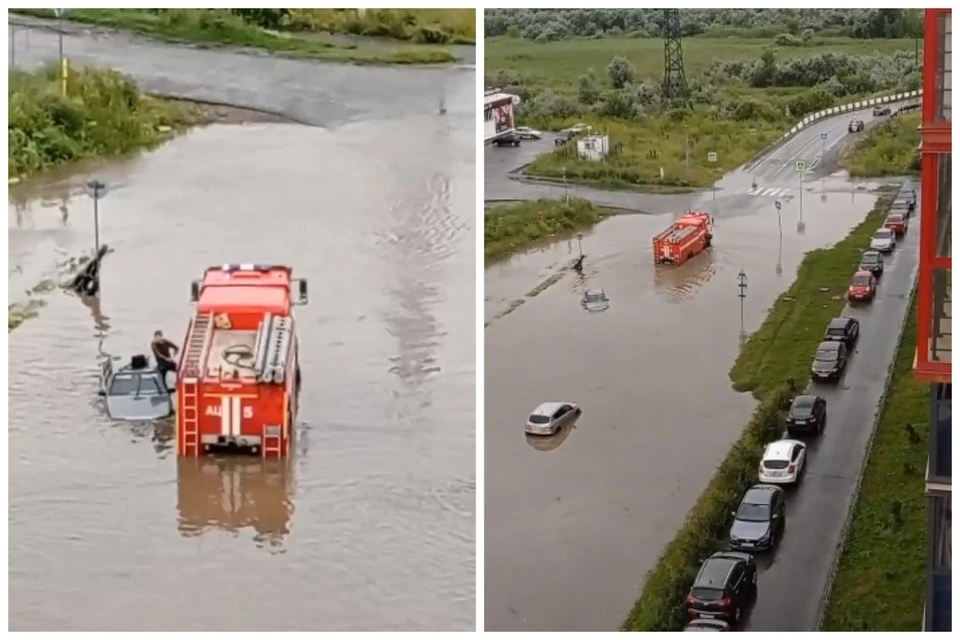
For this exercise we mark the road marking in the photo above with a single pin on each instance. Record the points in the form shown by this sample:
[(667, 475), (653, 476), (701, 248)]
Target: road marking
[(766, 192)]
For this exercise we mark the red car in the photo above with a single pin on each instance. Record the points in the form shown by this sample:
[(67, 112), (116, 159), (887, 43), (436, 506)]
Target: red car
[(897, 223), (863, 287)]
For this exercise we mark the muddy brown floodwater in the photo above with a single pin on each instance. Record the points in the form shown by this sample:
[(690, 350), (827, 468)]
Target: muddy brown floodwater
[(371, 524), (573, 525)]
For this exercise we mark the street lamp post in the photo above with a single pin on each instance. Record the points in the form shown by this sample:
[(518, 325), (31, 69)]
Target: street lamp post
[(801, 167), (566, 194), (779, 206), (580, 244)]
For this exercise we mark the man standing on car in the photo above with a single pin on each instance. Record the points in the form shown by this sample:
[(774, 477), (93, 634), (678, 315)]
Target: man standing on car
[(163, 352)]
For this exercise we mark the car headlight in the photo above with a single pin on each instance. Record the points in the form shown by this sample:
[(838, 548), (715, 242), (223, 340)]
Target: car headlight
[(764, 538)]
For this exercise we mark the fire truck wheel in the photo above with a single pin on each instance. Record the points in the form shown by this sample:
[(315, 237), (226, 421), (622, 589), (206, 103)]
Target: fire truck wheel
[(297, 380)]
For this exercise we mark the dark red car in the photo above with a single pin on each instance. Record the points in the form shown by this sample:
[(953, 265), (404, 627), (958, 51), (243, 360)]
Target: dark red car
[(863, 287), (896, 223)]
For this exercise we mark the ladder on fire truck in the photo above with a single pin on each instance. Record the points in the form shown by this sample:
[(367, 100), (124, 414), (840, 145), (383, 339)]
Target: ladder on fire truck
[(190, 370), (270, 355)]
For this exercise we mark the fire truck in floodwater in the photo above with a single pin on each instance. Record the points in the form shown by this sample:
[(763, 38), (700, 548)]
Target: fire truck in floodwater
[(239, 375), (686, 237)]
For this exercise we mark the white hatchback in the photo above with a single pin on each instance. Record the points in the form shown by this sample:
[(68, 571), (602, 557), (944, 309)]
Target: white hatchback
[(551, 417), (782, 462)]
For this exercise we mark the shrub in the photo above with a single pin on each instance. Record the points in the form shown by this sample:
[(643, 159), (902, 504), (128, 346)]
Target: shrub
[(508, 228)]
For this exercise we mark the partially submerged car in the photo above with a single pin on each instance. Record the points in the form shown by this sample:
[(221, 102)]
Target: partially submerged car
[(551, 417), (595, 300), (135, 391)]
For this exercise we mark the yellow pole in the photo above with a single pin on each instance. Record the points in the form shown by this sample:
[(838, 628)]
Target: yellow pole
[(63, 76)]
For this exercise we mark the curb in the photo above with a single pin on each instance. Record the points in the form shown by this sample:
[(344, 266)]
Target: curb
[(838, 554)]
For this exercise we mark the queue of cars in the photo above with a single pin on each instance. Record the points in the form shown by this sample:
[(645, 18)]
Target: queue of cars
[(726, 584)]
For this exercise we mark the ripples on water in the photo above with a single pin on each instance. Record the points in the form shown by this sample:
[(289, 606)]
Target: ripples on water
[(371, 525)]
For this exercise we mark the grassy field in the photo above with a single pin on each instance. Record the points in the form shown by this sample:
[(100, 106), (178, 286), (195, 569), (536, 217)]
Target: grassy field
[(654, 143), (513, 227), (880, 583), (433, 26), (220, 27), (557, 65), (889, 149), (783, 345), (102, 114)]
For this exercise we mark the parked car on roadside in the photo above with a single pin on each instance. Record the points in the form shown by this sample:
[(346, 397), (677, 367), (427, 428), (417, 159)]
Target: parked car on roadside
[(884, 240), (829, 361), (704, 624), (527, 133), (808, 414), (871, 261), (843, 329), (783, 462), (759, 520), (897, 223), (724, 587), (863, 287), (509, 139)]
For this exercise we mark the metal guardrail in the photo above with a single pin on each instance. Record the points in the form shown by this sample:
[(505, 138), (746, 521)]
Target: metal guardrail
[(845, 531), (853, 106)]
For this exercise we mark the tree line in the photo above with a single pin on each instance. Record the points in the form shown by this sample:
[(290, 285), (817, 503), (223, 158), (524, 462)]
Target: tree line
[(546, 25)]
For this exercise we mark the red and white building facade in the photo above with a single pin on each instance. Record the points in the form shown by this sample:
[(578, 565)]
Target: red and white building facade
[(498, 114), (934, 300)]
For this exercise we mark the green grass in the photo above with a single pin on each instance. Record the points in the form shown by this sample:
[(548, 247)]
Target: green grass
[(880, 582), (220, 27), (102, 114), (774, 364), (427, 26), (557, 65), (512, 227), (782, 347), (635, 166), (889, 149)]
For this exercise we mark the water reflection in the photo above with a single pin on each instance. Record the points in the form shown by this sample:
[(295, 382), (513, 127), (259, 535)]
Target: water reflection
[(235, 493), (549, 443), (680, 282)]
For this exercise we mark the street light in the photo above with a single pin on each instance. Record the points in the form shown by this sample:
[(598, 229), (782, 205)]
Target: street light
[(580, 244), (96, 190), (779, 206)]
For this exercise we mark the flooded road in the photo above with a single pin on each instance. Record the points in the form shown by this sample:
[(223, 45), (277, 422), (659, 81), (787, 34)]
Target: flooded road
[(573, 525), (371, 525)]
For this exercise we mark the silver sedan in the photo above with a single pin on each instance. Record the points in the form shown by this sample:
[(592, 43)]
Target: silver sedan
[(551, 417)]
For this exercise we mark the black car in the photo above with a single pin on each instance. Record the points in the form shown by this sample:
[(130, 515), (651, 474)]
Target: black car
[(704, 624), (881, 111), (871, 261), (508, 140), (903, 207), (845, 330), (724, 587), (829, 361), (759, 520), (808, 414)]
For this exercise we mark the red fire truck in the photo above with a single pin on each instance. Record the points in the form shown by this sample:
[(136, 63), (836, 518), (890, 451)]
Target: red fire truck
[(239, 376), (685, 238)]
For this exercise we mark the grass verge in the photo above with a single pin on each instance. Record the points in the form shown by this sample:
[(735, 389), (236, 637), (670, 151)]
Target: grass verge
[(783, 345), (221, 27), (640, 149), (792, 331), (889, 149), (512, 227), (879, 585), (102, 114), (425, 26)]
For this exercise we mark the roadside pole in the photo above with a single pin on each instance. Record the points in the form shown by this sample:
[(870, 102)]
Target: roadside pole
[(566, 194), (96, 190), (801, 167), (742, 285), (779, 206), (712, 159), (63, 66), (13, 47)]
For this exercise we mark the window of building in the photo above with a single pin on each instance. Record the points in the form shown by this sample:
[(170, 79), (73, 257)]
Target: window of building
[(941, 333), (942, 527), (944, 206), (944, 79)]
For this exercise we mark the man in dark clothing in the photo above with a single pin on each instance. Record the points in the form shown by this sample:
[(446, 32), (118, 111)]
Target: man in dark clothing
[(163, 352)]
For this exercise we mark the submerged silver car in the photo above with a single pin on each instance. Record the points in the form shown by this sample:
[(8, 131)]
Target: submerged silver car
[(595, 300), (550, 417), (136, 391)]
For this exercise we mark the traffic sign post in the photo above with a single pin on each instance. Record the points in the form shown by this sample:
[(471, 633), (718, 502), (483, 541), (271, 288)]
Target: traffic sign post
[(742, 285), (712, 156), (801, 167), (779, 206), (823, 146), (63, 69)]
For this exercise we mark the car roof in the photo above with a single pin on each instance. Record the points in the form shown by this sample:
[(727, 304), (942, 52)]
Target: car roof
[(894, 215), (547, 408), (829, 345), (593, 291), (862, 273), (873, 253), (781, 449), (760, 494), (804, 400), (840, 323), (714, 571), (882, 231)]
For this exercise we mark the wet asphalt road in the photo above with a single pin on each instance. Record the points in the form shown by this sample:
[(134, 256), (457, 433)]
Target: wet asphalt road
[(574, 523), (791, 587), (371, 526)]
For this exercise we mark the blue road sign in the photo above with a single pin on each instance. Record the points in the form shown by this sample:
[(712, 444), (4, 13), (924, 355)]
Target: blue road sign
[(823, 136), (777, 203)]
